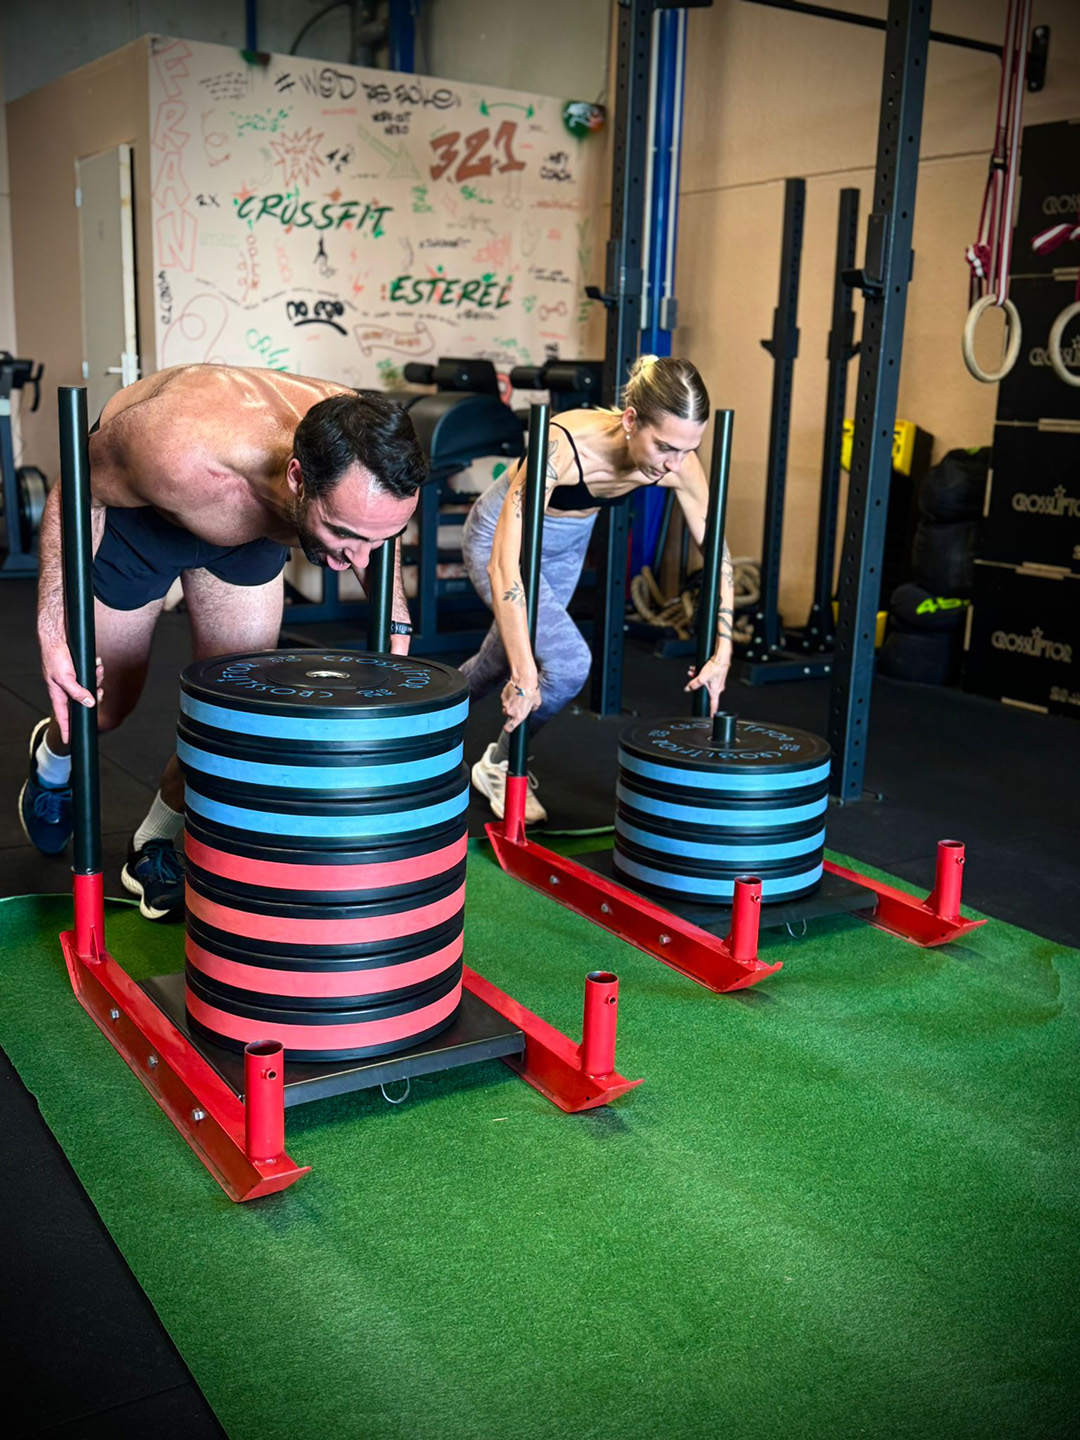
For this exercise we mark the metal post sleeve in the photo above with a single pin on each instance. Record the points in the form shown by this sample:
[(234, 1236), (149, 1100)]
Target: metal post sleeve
[(601, 1016), (264, 1100), (944, 899)]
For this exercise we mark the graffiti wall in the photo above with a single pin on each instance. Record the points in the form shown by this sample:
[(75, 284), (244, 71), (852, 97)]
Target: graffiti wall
[(339, 222)]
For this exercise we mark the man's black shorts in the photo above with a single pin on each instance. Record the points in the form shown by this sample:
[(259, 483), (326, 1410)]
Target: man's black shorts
[(142, 553)]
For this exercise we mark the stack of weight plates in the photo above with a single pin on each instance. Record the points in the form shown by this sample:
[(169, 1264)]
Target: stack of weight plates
[(325, 842), (693, 814)]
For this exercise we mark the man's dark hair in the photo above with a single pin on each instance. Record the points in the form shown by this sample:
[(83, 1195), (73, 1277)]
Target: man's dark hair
[(364, 428)]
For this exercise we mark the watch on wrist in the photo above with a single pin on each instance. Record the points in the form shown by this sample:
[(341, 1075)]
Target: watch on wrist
[(398, 627)]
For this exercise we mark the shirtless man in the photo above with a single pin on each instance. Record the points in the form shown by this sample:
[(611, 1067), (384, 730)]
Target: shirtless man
[(208, 473)]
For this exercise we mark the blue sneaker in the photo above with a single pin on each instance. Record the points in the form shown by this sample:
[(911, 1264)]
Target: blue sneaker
[(156, 874), (44, 810)]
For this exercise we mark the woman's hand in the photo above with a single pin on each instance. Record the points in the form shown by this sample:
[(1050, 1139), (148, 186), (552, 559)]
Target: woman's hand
[(713, 675), (518, 703)]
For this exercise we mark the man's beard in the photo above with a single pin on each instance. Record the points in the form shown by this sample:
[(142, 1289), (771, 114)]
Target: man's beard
[(313, 551)]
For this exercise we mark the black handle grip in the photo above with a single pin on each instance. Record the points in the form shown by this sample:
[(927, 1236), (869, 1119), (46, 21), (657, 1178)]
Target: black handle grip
[(78, 555)]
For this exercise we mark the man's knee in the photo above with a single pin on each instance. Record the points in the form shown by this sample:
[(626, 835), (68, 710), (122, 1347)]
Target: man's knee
[(113, 711), (123, 685)]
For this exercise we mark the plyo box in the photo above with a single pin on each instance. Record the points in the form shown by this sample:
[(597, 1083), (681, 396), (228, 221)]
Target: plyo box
[(1032, 514), (1049, 195), (1023, 638)]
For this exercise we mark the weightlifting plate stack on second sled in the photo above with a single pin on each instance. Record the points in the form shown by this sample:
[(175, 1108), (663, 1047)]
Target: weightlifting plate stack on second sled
[(325, 843), (693, 812)]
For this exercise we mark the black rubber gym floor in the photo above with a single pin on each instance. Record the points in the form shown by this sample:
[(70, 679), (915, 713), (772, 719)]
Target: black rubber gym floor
[(90, 1357)]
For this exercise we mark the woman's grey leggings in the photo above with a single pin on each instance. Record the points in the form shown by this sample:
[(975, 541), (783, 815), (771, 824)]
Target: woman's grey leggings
[(562, 656)]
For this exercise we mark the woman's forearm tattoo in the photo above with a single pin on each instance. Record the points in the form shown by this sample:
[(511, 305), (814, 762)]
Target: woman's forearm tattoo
[(515, 595)]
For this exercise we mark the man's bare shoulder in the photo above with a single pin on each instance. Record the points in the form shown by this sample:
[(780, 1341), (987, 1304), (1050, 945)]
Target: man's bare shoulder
[(206, 419), (193, 392), (143, 451)]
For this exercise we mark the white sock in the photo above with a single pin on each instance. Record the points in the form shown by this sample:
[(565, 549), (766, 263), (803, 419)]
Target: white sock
[(161, 823), (52, 770)]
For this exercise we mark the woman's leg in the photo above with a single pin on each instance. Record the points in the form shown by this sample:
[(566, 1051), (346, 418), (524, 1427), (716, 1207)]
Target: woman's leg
[(489, 668), (562, 658)]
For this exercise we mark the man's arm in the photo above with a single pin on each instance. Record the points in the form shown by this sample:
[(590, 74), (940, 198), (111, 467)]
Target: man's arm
[(57, 665), (399, 607)]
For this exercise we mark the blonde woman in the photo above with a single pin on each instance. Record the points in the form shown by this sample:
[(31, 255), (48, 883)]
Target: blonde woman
[(595, 458)]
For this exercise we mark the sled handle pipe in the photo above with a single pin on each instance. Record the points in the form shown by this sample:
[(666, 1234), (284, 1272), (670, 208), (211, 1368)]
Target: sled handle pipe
[(78, 560), (713, 551), (532, 534), (380, 588)]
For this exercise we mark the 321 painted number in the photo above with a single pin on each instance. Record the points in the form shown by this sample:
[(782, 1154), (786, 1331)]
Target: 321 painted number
[(474, 163)]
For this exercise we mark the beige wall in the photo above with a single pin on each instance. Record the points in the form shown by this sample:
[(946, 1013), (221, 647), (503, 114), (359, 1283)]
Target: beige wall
[(8, 333), (90, 110), (771, 94), (7, 284), (558, 47)]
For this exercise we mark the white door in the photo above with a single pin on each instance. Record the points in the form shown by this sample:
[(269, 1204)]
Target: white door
[(107, 240)]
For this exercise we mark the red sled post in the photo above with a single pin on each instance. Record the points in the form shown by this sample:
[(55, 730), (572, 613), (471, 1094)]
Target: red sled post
[(933, 921), (573, 1077)]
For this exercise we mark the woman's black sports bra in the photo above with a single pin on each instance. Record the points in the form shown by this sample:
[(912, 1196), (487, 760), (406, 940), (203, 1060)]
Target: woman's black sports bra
[(579, 496)]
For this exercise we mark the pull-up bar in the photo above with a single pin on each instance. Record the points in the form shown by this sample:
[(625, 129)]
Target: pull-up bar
[(869, 22)]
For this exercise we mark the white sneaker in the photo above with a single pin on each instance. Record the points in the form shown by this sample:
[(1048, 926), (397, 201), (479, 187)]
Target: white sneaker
[(489, 777)]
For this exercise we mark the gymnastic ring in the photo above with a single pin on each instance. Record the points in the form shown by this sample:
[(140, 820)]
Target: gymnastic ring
[(975, 314), (1057, 359)]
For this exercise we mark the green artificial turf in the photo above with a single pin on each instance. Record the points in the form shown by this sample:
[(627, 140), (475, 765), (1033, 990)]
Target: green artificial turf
[(843, 1203)]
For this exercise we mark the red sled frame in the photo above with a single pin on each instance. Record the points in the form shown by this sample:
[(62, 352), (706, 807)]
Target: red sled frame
[(719, 965), (731, 963), (241, 1141)]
